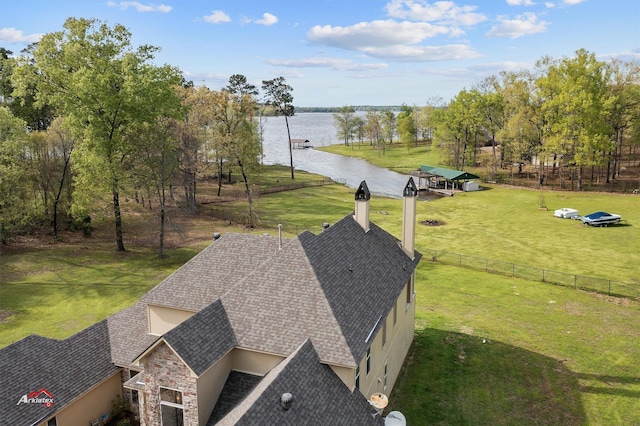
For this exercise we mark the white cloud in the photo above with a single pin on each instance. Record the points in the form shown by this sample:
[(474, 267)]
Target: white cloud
[(407, 53), (550, 5), (149, 7), (522, 25), (12, 35), (217, 17), (391, 40), (520, 2), (334, 63), (496, 67), (440, 11), (573, 2), (267, 19), (373, 34)]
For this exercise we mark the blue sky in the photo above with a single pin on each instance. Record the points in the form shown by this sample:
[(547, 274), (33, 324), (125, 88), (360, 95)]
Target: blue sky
[(348, 52)]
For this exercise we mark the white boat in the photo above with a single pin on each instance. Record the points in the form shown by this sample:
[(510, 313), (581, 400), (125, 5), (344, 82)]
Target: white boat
[(601, 219), (566, 213)]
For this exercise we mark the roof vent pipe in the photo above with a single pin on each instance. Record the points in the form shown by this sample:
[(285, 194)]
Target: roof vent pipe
[(325, 225), (279, 236), (216, 235), (286, 400)]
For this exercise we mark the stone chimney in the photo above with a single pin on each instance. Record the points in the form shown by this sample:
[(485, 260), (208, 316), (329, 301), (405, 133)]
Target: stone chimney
[(362, 206), (409, 195)]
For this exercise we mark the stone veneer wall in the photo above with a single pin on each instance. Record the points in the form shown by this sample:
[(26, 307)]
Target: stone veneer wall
[(163, 368)]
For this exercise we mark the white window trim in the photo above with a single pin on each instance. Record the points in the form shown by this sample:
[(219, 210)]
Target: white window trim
[(169, 403)]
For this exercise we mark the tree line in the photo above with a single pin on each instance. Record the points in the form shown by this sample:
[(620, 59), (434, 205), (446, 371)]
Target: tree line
[(568, 117), (86, 118)]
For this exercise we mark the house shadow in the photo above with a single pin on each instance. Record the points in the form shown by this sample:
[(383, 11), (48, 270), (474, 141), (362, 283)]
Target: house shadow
[(456, 378)]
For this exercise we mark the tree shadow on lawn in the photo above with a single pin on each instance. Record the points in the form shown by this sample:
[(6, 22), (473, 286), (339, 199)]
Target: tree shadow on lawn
[(454, 378)]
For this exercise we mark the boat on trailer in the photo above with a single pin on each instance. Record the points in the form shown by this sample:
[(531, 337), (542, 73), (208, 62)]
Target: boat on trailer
[(601, 219)]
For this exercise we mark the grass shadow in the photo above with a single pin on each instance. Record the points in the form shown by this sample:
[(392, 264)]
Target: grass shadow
[(454, 378)]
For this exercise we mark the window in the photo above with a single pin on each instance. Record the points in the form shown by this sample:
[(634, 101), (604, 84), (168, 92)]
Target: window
[(384, 332), (358, 377), (368, 361), (52, 422), (171, 408), (410, 290), (171, 395), (395, 313), (385, 376)]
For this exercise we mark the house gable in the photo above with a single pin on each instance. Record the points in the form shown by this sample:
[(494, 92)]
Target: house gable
[(211, 329), (362, 274)]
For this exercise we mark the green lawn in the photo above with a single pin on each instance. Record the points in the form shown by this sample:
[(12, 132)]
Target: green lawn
[(491, 350), (552, 354)]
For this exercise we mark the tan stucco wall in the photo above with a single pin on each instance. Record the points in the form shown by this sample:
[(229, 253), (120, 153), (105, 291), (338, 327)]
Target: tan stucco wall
[(347, 375), (393, 352), (162, 319), (253, 362), (210, 384), (92, 405)]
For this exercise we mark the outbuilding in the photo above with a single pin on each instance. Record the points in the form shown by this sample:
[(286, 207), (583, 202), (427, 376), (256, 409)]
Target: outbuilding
[(443, 180)]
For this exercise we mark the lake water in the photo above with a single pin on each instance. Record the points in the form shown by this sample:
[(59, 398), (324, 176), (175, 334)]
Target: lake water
[(318, 128)]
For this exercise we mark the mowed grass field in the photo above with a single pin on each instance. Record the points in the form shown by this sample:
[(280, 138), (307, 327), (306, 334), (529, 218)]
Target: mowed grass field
[(488, 349)]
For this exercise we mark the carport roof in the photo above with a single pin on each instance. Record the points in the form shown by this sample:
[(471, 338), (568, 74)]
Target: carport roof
[(449, 174)]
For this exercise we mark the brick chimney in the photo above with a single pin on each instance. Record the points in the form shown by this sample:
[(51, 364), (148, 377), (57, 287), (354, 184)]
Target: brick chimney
[(362, 206), (409, 195)]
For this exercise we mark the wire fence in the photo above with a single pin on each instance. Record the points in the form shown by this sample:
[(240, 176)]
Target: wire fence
[(531, 273)]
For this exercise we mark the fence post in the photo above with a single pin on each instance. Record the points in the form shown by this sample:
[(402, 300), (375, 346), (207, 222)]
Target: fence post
[(543, 276), (513, 269)]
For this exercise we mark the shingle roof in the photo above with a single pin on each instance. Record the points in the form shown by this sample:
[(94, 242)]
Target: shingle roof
[(362, 275), (319, 396), (202, 280), (128, 332), (281, 304), (236, 388), (65, 368), (332, 288), (204, 338)]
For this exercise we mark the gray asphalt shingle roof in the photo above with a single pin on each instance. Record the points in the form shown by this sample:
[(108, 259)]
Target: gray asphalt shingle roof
[(65, 368), (362, 275), (332, 287), (128, 332), (204, 338), (213, 272), (280, 305), (319, 396)]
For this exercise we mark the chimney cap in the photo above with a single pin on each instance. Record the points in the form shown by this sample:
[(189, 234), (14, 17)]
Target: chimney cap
[(362, 192), (410, 190)]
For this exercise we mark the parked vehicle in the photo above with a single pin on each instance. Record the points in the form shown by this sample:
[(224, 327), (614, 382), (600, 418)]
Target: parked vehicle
[(566, 213), (601, 219)]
